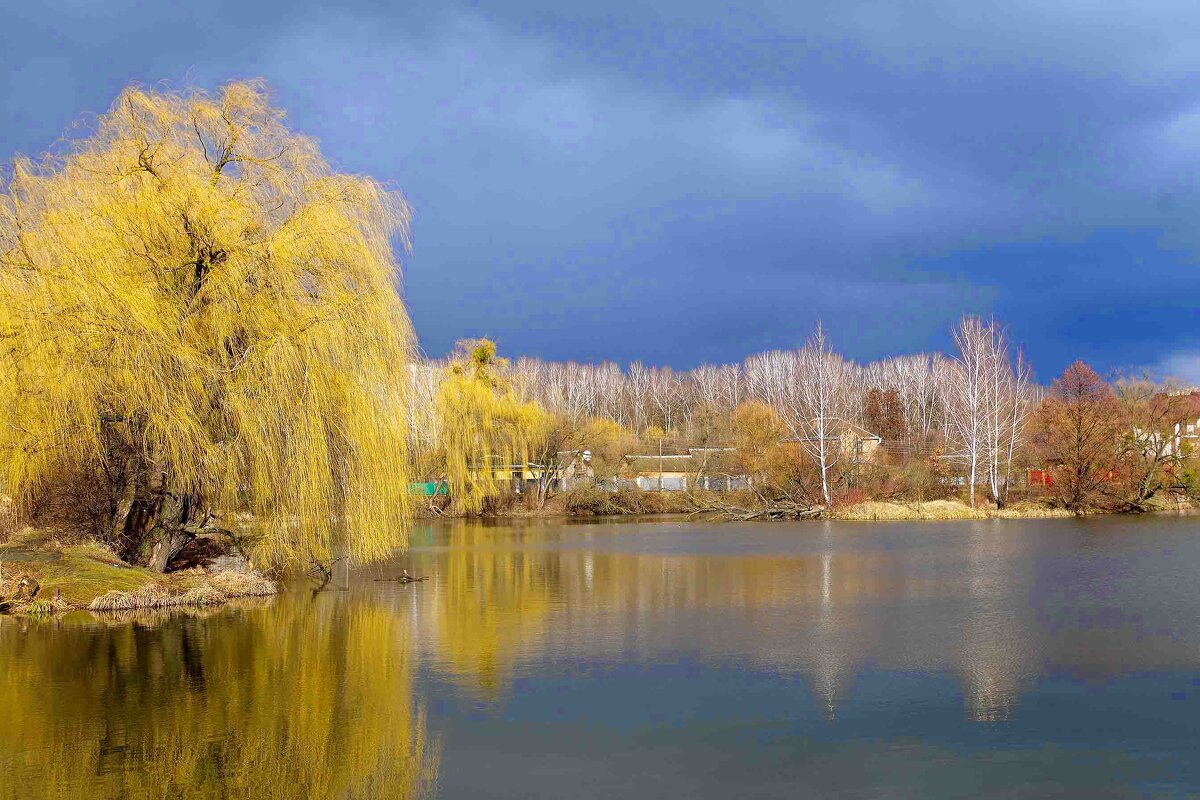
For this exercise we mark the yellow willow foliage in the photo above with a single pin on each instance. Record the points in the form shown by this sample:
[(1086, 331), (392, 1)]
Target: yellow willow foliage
[(295, 699), (483, 425), (193, 284)]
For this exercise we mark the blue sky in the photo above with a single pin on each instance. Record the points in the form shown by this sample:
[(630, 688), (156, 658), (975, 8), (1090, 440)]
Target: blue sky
[(682, 182)]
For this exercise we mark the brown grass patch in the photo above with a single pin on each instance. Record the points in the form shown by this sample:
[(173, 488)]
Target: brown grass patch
[(212, 590), (1030, 510), (242, 584), (931, 510)]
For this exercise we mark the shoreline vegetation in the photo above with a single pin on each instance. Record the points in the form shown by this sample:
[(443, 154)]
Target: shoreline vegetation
[(968, 436), (864, 511), (591, 501)]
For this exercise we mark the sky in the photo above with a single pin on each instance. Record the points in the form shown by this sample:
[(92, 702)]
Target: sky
[(682, 182)]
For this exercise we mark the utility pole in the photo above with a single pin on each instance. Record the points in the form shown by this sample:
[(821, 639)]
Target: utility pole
[(660, 465)]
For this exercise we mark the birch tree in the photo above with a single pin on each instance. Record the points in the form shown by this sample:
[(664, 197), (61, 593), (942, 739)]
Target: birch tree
[(988, 403), (966, 396), (637, 386), (821, 387)]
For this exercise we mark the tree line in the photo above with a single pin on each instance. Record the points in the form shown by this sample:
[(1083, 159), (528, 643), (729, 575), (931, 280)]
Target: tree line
[(972, 423)]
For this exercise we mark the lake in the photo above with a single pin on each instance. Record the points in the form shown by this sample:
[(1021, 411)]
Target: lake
[(632, 659)]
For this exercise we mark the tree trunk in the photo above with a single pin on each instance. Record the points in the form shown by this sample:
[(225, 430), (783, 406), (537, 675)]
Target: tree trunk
[(126, 482), (149, 521), (971, 476), (166, 543), (169, 533)]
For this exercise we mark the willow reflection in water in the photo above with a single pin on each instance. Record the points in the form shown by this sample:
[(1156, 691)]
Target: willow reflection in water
[(702, 660), (509, 597), (303, 698), (1066, 650)]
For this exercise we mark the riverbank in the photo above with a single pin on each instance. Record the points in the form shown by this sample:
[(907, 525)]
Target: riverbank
[(595, 503), (40, 575)]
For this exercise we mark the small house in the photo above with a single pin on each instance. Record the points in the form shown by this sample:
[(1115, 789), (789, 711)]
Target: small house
[(848, 440), (708, 468), (568, 468), (659, 473)]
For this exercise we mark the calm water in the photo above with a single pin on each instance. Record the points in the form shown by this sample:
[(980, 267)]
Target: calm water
[(1000, 659)]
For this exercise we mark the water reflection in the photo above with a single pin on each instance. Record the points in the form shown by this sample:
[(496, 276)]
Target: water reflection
[(530, 640), (978, 601), (295, 699)]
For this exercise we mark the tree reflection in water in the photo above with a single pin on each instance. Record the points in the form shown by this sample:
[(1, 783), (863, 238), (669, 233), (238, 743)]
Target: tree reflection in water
[(318, 695), (283, 700)]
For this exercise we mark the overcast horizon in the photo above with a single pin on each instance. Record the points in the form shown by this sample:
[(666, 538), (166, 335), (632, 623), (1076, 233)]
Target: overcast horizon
[(680, 183)]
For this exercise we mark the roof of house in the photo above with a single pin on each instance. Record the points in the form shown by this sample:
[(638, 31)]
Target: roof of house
[(710, 460)]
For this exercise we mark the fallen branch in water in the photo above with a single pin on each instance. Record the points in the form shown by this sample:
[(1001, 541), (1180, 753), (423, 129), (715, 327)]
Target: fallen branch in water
[(772, 509), (323, 572), (404, 578)]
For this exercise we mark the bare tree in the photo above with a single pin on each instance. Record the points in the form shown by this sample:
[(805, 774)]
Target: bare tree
[(610, 385), (987, 405), (1013, 406), (732, 385), (822, 388), (966, 397), (773, 378), (665, 393), (637, 386), (707, 382), (1156, 445)]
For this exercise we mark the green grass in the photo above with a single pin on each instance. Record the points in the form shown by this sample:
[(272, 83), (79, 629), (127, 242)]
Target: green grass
[(84, 573), (80, 571)]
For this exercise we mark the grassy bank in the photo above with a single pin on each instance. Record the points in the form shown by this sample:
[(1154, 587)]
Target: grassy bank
[(872, 511), (88, 576)]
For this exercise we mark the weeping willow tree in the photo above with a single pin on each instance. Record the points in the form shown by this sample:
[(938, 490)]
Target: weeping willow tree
[(200, 316), (484, 428)]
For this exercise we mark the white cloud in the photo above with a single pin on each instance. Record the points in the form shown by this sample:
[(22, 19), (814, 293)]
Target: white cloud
[(1182, 364)]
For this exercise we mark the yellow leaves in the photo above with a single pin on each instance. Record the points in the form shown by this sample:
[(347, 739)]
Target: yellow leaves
[(608, 440), (483, 426), (757, 427), (196, 271)]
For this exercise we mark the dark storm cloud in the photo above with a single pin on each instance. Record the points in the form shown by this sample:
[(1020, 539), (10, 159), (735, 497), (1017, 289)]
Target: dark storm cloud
[(680, 182)]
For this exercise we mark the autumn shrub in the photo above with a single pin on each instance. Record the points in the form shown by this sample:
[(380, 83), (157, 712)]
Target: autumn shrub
[(665, 502), (849, 497), (594, 500), (74, 506), (879, 482)]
